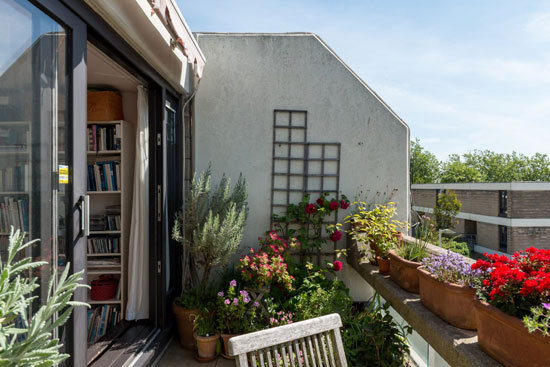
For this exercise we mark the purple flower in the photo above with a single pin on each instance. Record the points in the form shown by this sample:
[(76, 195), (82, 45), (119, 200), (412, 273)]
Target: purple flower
[(246, 299), (244, 293), (235, 301), (220, 294), (233, 283), (256, 304), (546, 305), (227, 302)]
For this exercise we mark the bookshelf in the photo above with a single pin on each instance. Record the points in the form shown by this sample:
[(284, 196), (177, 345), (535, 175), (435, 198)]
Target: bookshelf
[(110, 159)]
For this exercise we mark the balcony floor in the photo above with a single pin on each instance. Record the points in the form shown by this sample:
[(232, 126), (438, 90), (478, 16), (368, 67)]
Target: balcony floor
[(175, 355)]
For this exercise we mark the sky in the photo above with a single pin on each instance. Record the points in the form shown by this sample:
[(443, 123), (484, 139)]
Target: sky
[(463, 75)]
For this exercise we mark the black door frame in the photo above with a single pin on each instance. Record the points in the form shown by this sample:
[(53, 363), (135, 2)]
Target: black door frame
[(85, 25)]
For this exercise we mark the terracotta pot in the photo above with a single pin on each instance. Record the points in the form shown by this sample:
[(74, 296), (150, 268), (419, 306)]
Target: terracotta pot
[(226, 338), (206, 347), (452, 302), (184, 320), (383, 265), (403, 272), (506, 339), (399, 237)]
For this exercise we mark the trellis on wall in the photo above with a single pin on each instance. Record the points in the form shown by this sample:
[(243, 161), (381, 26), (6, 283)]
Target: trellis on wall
[(300, 167)]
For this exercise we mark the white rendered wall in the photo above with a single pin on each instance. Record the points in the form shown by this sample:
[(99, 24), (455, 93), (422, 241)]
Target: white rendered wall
[(248, 76)]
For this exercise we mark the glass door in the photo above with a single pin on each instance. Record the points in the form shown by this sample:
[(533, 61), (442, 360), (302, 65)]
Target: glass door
[(37, 59)]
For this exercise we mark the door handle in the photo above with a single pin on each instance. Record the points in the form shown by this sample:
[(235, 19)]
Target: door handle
[(83, 206)]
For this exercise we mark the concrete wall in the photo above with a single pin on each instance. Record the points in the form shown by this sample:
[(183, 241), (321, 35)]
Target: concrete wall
[(248, 76)]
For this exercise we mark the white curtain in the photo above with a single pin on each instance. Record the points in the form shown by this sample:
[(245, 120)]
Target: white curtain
[(138, 257)]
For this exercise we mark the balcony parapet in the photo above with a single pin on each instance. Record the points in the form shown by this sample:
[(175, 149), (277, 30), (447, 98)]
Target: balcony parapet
[(458, 347)]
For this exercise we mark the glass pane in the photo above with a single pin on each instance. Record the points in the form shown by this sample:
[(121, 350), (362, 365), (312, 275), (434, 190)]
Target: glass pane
[(33, 138)]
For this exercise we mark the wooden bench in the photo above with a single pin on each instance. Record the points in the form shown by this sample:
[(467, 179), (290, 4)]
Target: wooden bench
[(311, 343)]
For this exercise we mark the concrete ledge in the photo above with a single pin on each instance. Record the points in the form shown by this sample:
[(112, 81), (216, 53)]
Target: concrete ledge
[(458, 347)]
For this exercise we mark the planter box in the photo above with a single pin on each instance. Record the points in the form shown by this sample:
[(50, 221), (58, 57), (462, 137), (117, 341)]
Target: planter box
[(506, 339), (403, 272), (104, 106), (452, 302)]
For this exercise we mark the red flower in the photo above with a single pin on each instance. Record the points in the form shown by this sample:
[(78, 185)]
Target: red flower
[(311, 208), (333, 205), (336, 236), (337, 265), (320, 201), (344, 204)]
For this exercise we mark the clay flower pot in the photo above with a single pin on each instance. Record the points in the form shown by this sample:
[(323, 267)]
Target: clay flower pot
[(452, 302), (206, 347), (383, 265), (403, 272), (506, 339), (184, 319), (226, 338)]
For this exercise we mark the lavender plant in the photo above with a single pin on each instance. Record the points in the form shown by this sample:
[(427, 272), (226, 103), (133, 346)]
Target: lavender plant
[(451, 267)]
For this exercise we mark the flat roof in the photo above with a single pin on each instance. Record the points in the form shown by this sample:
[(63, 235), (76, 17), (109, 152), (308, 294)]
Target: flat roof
[(510, 186)]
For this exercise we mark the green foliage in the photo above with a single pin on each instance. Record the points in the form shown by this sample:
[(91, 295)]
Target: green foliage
[(413, 250), (377, 225), (373, 338), (477, 166), (317, 296), (234, 316), (446, 210), (197, 297), (30, 343), (204, 323), (538, 320), (424, 165), (212, 225), (455, 246)]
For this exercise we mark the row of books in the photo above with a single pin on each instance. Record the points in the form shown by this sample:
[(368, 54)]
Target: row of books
[(14, 212), (103, 222), (104, 137), (103, 245), (15, 178), (14, 138), (104, 176), (101, 319)]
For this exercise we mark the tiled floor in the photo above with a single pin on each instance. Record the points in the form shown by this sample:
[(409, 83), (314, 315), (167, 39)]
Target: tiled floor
[(176, 356)]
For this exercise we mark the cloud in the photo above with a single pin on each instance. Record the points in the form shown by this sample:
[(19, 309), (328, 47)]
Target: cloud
[(538, 27)]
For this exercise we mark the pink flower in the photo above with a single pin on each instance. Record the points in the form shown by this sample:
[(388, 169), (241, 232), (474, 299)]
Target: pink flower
[(310, 208), (235, 301), (227, 301), (256, 304), (220, 294), (344, 204), (336, 236), (233, 283), (333, 205), (337, 265), (320, 201)]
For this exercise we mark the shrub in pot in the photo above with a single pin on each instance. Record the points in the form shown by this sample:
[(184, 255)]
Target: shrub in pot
[(512, 289), (235, 315), (446, 288), (375, 226), (210, 230), (206, 335), (404, 261)]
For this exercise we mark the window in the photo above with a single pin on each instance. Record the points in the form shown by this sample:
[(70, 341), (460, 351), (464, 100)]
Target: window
[(503, 203), (503, 238)]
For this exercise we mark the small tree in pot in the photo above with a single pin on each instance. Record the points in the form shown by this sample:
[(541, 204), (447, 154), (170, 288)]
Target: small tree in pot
[(210, 228)]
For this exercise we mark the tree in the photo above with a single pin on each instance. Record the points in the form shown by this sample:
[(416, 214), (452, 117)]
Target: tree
[(424, 165), (454, 170), (446, 210)]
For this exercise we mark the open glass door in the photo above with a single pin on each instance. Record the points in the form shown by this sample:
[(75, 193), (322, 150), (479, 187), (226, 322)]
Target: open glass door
[(37, 60)]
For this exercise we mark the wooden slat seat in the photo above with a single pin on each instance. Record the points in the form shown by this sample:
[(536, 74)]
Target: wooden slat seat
[(311, 343)]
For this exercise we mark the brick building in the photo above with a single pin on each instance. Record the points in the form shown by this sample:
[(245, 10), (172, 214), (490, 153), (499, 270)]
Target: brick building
[(495, 217)]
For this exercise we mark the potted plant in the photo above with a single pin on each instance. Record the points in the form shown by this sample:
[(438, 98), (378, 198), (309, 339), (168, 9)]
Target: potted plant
[(210, 230), (377, 227), (446, 288), (383, 257), (405, 259), (206, 335), (512, 289), (234, 315)]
